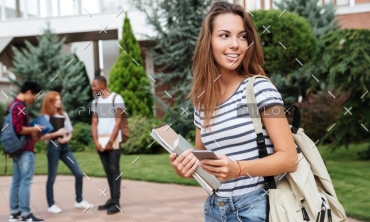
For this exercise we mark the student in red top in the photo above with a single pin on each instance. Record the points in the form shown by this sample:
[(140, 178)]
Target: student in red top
[(24, 163)]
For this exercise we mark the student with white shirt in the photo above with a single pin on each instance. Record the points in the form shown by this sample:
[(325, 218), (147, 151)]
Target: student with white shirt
[(58, 149), (107, 121)]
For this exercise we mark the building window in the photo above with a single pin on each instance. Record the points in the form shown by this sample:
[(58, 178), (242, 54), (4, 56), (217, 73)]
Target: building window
[(336, 2)]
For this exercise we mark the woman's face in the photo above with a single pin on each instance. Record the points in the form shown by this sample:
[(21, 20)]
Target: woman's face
[(229, 41), (58, 102)]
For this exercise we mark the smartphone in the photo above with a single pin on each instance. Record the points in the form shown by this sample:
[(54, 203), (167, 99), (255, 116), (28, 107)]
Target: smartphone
[(204, 154)]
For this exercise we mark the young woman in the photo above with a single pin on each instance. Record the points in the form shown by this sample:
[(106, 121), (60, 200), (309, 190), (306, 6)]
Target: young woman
[(227, 54), (58, 149)]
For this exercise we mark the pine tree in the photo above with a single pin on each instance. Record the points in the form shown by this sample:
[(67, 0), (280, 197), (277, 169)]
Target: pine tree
[(44, 64), (128, 77), (176, 24), (321, 17)]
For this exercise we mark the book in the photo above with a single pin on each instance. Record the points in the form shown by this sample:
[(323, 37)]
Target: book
[(42, 121), (103, 140), (175, 143), (57, 123)]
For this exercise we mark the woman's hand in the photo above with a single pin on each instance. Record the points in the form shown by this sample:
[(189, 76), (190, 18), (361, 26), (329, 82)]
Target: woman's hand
[(63, 140), (185, 164), (223, 169)]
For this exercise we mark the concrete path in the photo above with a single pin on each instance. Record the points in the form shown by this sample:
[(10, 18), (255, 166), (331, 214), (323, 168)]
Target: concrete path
[(141, 201)]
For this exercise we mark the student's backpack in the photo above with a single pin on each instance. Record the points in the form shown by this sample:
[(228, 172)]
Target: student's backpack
[(13, 144), (306, 194)]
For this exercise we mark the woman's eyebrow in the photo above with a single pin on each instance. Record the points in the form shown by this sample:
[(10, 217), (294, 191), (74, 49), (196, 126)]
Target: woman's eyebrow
[(222, 30)]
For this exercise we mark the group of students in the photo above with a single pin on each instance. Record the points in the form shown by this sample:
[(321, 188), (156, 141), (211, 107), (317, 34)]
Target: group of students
[(228, 52), (58, 148)]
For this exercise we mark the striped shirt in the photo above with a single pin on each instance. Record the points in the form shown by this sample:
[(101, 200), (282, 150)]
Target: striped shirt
[(232, 132)]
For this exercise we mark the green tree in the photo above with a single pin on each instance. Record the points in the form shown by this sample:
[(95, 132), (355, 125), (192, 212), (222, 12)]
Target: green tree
[(287, 40), (43, 63), (127, 76), (300, 81), (176, 26), (346, 68)]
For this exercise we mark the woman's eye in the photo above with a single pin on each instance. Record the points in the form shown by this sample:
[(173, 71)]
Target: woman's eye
[(223, 35), (243, 37)]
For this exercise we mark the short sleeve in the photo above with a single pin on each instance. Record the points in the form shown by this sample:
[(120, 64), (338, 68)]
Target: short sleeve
[(197, 119), (67, 123), (266, 94), (119, 102)]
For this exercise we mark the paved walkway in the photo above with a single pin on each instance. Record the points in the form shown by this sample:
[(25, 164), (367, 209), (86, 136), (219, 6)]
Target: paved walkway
[(141, 201)]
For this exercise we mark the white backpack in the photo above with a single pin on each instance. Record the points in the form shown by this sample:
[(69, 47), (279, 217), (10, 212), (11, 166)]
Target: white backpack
[(306, 194)]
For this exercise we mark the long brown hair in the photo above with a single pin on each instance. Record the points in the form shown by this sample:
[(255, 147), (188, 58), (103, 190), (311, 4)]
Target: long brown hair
[(48, 104), (205, 91)]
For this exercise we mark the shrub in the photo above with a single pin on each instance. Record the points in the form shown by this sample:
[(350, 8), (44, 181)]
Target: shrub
[(81, 139), (289, 29), (140, 140)]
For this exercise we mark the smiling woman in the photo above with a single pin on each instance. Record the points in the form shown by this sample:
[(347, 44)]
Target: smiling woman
[(227, 54)]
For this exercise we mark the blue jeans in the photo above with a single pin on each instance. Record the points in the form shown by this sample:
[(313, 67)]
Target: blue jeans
[(23, 168), (250, 207), (64, 153)]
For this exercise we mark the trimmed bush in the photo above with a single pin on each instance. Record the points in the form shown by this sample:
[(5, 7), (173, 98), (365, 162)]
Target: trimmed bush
[(288, 37), (140, 140)]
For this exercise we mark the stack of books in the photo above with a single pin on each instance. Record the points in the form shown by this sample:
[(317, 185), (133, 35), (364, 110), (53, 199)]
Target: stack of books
[(175, 143)]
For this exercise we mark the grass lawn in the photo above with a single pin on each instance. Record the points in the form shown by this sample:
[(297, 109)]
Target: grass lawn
[(351, 177)]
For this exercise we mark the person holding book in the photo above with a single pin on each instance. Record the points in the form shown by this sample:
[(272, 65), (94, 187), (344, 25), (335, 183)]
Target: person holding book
[(227, 54), (58, 149), (24, 163), (107, 136)]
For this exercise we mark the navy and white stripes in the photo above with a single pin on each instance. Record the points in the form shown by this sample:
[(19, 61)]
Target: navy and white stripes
[(232, 132)]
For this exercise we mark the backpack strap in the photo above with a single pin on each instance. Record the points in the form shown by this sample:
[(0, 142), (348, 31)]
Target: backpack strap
[(256, 119)]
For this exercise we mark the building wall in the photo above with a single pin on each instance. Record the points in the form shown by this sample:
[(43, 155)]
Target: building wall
[(358, 20), (362, 1)]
